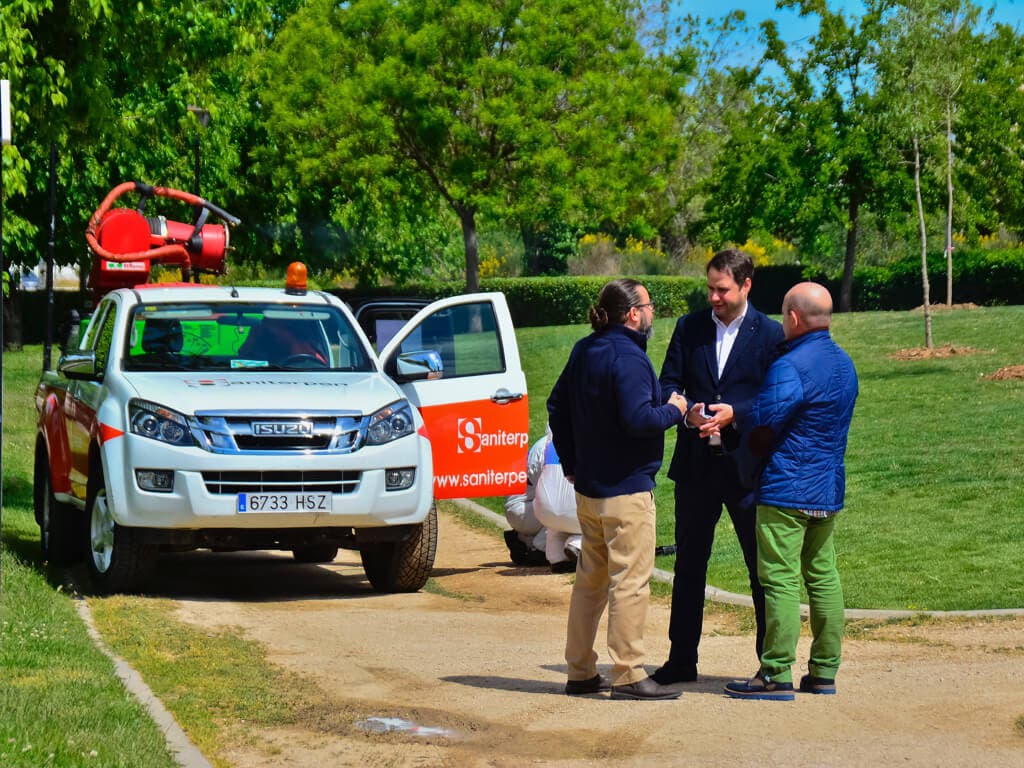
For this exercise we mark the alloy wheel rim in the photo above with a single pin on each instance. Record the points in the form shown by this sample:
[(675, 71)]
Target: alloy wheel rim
[(101, 532)]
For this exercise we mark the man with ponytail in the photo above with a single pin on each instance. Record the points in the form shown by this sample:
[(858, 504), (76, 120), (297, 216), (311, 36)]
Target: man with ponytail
[(608, 424)]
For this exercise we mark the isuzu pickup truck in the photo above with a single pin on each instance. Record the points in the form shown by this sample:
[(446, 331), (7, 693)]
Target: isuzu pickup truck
[(210, 417)]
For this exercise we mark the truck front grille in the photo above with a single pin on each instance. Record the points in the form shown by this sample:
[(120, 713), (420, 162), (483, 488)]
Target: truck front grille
[(285, 432), (275, 481)]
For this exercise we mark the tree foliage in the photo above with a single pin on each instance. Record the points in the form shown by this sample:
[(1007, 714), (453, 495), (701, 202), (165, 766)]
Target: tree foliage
[(499, 110), (375, 138)]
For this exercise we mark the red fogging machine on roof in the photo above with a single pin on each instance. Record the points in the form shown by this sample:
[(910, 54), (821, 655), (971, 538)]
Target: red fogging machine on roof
[(127, 242)]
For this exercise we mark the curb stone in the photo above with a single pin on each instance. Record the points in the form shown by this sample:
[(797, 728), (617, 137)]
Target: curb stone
[(186, 754)]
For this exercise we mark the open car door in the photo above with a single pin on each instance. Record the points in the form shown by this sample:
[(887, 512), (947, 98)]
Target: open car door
[(475, 407)]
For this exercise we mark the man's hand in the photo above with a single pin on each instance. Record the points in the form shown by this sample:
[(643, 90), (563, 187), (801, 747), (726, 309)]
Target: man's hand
[(694, 417), (721, 417), (678, 401)]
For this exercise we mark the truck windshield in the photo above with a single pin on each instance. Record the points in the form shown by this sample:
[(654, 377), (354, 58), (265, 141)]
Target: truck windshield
[(242, 337)]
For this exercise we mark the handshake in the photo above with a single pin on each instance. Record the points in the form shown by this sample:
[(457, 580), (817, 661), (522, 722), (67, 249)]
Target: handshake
[(710, 419), (679, 402)]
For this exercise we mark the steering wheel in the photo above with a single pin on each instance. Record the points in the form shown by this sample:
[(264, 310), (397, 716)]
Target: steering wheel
[(303, 360)]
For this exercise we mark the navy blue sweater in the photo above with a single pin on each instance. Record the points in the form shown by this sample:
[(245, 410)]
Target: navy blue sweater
[(606, 415)]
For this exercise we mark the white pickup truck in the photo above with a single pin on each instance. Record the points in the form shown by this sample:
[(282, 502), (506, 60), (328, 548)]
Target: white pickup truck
[(210, 417)]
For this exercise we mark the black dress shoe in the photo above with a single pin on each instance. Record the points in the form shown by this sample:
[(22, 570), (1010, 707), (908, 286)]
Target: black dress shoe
[(669, 674), (646, 689), (595, 684)]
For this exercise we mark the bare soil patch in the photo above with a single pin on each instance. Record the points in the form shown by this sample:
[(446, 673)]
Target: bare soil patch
[(937, 307), (480, 656), (1007, 373), (945, 350)]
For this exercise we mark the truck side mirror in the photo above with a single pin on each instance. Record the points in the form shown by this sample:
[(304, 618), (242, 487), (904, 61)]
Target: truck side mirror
[(79, 365), (421, 365)]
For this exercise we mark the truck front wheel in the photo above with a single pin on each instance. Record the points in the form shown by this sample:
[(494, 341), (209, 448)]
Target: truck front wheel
[(402, 566), (120, 559)]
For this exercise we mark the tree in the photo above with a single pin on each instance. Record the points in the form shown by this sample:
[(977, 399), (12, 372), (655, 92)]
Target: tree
[(509, 110), (920, 60), (109, 91), (719, 97), (990, 137), (955, 24), (806, 154)]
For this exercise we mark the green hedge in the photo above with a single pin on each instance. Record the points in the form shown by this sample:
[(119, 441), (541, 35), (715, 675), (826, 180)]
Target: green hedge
[(979, 277)]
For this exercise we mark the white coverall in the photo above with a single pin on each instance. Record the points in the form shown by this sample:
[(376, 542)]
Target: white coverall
[(544, 516)]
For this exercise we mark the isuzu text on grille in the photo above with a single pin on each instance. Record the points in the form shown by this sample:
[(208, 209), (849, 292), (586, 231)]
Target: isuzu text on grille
[(282, 428)]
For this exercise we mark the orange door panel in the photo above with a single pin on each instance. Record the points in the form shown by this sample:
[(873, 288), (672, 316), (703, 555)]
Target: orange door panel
[(479, 447)]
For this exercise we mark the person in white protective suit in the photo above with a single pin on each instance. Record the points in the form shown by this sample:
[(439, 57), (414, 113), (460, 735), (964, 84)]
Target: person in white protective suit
[(554, 504), (527, 539), (545, 529)]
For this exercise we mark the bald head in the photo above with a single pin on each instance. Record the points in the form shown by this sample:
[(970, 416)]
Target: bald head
[(807, 307)]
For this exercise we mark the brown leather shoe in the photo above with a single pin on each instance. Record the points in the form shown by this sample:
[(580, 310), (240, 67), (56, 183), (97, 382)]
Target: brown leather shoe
[(646, 689)]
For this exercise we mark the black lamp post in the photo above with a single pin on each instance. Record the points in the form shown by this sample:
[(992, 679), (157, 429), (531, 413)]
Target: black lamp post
[(203, 116)]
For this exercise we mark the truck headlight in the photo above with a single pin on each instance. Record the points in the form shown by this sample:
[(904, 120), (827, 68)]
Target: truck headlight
[(390, 423), (158, 423)]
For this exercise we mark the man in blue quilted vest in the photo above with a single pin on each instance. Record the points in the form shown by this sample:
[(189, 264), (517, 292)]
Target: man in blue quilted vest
[(797, 431)]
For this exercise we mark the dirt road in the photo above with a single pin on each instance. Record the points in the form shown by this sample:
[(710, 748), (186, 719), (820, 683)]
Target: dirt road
[(480, 657)]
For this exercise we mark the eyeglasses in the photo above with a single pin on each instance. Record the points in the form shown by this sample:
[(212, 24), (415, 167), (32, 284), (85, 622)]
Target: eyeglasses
[(648, 304)]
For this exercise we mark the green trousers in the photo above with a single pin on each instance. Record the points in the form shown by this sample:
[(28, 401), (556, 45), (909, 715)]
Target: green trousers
[(790, 545)]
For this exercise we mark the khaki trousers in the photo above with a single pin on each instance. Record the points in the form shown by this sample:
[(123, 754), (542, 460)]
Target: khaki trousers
[(614, 570)]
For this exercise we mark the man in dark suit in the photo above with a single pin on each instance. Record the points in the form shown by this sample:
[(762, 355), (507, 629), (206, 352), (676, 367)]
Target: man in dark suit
[(717, 358)]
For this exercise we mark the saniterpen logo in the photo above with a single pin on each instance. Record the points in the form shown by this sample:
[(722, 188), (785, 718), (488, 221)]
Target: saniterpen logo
[(473, 439)]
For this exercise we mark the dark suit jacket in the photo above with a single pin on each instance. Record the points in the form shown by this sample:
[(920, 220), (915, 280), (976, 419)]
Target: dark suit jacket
[(691, 369)]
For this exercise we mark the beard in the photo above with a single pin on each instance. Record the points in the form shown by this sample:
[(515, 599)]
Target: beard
[(646, 328)]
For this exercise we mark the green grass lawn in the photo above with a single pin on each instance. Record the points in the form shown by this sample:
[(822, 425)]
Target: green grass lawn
[(933, 516), (60, 703)]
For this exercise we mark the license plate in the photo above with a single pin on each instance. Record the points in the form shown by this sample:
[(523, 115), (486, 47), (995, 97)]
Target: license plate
[(284, 502)]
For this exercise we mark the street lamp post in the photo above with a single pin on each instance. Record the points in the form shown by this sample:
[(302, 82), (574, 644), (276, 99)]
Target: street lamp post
[(203, 116)]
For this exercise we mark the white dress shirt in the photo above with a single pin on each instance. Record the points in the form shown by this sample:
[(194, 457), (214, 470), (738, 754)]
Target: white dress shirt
[(725, 337)]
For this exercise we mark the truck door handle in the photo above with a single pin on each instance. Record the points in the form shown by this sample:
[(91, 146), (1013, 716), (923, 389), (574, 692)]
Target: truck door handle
[(504, 397)]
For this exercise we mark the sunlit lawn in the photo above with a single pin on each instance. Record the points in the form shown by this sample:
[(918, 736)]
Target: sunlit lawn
[(934, 498), (60, 703)]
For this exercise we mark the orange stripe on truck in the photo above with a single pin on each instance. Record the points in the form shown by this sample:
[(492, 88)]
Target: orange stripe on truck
[(108, 432)]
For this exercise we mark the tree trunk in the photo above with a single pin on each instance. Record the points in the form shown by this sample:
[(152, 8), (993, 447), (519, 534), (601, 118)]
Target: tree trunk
[(949, 204), (468, 218), (846, 285), (924, 248), (13, 317)]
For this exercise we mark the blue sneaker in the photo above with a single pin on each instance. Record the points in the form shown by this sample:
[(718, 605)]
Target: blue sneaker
[(760, 686)]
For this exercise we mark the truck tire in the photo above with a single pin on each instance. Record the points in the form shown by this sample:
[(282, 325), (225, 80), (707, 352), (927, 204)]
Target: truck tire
[(315, 553), (120, 559), (60, 539), (402, 566)]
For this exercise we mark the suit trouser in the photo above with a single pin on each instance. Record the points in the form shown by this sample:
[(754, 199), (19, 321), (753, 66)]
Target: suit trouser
[(698, 509), (614, 570), (791, 545)]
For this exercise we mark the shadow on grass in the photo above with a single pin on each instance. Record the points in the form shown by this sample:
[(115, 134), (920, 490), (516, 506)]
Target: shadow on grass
[(900, 370)]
